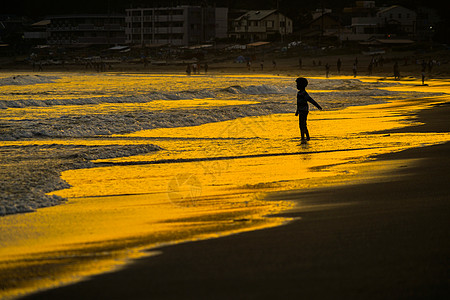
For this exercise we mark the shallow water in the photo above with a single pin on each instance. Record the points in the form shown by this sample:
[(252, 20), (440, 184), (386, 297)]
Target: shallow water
[(210, 177)]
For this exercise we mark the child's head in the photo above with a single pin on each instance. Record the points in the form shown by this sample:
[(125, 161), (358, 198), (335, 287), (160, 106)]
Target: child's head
[(301, 83)]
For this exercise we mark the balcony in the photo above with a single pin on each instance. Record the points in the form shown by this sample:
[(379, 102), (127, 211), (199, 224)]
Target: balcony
[(101, 40)]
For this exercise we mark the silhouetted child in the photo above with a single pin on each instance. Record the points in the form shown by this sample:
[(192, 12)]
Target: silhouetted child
[(302, 106)]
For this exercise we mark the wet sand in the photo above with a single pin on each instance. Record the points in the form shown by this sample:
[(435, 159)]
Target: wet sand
[(390, 241)]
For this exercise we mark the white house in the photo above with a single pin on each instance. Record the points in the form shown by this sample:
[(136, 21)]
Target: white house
[(398, 18), (261, 25), (390, 21)]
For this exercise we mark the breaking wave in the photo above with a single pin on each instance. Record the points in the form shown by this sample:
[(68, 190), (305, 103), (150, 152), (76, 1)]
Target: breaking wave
[(151, 96), (37, 169), (259, 90), (27, 80)]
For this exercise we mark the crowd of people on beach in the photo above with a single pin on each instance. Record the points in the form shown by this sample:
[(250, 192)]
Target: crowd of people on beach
[(196, 68), (376, 62)]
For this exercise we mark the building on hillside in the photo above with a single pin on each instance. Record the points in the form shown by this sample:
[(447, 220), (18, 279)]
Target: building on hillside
[(395, 21), (361, 9), (37, 32), (320, 12), (181, 25), (257, 25), (398, 20), (325, 25), (364, 28), (86, 29)]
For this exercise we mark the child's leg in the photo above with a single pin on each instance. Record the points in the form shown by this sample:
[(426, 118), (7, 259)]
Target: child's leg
[(302, 128), (302, 122), (306, 127)]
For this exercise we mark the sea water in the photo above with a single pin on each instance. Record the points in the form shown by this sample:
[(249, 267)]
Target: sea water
[(141, 160)]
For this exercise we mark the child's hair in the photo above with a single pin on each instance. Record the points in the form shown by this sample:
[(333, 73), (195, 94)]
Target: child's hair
[(302, 82)]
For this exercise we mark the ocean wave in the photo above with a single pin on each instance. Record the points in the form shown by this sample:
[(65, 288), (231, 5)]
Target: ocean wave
[(29, 182), (26, 181), (262, 89), (27, 80), (144, 98), (131, 121), (347, 84), (365, 89), (150, 96)]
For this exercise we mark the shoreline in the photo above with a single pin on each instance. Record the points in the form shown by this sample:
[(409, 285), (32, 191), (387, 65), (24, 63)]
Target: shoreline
[(312, 65), (393, 243)]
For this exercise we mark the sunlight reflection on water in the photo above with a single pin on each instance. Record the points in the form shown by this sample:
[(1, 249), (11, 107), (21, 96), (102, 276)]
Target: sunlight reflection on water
[(209, 180)]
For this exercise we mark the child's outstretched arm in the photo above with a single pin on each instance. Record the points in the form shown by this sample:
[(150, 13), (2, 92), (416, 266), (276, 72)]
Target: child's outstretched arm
[(311, 100)]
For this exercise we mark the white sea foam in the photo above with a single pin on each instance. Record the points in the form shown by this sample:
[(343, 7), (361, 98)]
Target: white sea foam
[(24, 189), (263, 89), (27, 80), (131, 121), (37, 167), (349, 89)]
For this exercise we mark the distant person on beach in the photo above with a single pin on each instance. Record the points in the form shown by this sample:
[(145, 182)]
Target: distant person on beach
[(355, 69), (302, 107), (339, 65), (327, 70), (370, 68), (188, 69), (424, 68), (396, 72)]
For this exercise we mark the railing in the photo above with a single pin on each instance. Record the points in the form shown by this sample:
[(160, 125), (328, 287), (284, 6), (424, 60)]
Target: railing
[(111, 27), (161, 18)]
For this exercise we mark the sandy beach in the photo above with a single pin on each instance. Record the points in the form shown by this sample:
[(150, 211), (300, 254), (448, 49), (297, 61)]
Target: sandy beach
[(224, 150), (378, 240), (350, 215)]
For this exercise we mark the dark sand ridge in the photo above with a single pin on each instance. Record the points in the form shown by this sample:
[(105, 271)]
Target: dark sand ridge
[(391, 243)]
